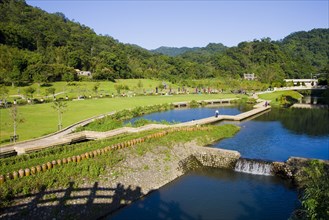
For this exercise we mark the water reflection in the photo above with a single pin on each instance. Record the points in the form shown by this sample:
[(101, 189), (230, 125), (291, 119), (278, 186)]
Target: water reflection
[(189, 114), (313, 122), (270, 140)]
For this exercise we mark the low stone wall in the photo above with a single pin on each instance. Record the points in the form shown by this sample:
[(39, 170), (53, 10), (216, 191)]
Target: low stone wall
[(209, 157), (292, 169), (218, 158)]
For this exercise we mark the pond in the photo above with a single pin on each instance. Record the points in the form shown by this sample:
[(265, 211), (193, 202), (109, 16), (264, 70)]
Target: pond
[(210, 193), (282, 133), (189, 114), (276, 135)]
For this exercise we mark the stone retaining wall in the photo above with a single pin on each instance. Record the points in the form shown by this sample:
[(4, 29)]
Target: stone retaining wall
[(217, 158), (209, 157)]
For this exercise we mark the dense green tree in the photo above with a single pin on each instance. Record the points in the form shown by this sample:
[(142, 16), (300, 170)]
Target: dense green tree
[(29, 91), (50, 90)]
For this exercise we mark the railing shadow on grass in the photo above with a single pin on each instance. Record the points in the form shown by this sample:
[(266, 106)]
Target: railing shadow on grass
[(85, 203), (71, 202)]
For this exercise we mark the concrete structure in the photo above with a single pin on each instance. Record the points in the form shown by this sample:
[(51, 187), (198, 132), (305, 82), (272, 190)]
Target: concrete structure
[(309, 106), (307, 82), (296, 88), (83, 73), (249, 76)]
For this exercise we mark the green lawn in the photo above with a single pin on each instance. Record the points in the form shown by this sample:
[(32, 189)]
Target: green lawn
[(275, 96), (41, 119), (75, 89)]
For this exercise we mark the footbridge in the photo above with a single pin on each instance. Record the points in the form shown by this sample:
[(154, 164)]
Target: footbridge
[(207, 102), (294, 88)]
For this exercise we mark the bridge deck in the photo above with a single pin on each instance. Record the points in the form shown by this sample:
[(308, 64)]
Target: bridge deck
[(211, 102), (238, 117)]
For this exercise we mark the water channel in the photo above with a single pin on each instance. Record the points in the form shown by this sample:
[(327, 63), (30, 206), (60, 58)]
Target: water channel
[(224, 194)]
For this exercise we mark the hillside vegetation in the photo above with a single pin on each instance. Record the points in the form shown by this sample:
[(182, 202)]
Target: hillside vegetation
[(36, 46)]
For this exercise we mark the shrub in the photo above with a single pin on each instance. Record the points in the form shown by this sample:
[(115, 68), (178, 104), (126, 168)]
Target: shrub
[(315, 197), (194, 104)]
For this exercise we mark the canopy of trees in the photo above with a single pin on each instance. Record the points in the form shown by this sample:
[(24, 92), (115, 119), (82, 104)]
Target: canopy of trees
[(36, 46)]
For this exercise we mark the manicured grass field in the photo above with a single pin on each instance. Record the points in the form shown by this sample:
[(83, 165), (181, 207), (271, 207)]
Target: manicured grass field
[(275, 96), (41, 119), (75, 89)]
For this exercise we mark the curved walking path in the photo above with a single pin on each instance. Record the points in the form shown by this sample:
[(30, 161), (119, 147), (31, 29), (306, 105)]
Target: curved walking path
[(66, 136)]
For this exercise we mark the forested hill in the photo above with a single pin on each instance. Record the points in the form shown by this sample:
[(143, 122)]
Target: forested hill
[(312, 46), (36, 46), (296, 56)]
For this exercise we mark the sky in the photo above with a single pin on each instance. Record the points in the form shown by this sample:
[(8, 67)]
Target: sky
[(153, 23)]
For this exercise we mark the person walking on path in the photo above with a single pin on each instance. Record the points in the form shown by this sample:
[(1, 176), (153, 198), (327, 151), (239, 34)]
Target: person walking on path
[(216, 113)]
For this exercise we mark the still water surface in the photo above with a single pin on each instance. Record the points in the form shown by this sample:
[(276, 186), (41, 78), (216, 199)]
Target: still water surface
[(211, 194), (189, 114), (282, 133)]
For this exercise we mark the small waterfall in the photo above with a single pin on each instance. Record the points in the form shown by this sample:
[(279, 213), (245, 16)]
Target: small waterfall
[(257, 167)]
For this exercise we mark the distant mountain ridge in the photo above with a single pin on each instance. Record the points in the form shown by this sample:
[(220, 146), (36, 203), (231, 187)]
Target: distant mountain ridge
[(211, 48), (174, 51)]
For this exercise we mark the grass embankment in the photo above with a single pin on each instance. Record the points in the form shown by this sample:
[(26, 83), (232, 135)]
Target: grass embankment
[(281, 98), (91, 169), (117, 120), (41, 119)]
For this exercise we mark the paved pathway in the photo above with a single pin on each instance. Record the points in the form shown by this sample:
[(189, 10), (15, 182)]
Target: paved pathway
[(66, 136)]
